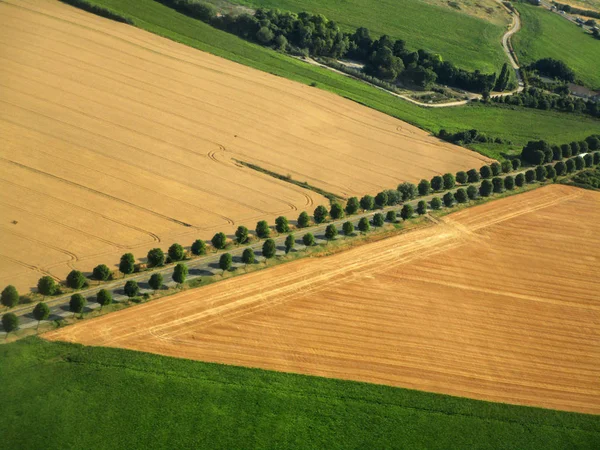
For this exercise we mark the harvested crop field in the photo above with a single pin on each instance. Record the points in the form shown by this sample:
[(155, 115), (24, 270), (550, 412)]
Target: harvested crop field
[(497, 302), (116, 140)]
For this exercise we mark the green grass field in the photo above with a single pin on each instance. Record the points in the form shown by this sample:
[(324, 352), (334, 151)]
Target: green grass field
[(468, 42), (518, 125), (58, 396), (547, 35)]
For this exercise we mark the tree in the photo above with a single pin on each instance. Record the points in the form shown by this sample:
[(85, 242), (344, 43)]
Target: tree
[(264, 35), (131, 289), (282, 225), (41, 312), (422, 207), (219, 240), (101, 272), (535, 152), (289, 243), (352, 205), (303, 220), (77, 304), (583, 147), (394, 197), (308, 240), (560, 168), (565, 150), (75, 279), (530, 176), (199, 247), (509, 183), (473, 176), (180, 272), (47, 286), (462, 177), (520, 180), (486, 188), (336, 211), (407, 191), (498, 184), (556, 152), (596, 158), (449, 181), (593, 142), (550, 172), (127, 264), (241, 235), (10, 296), (448, 199), (437, 183), (485, 172), (320, 214), (391, 216), (248, 256), (472, 192), (579, 163), (540, 173), (570, 163), (575, 148), (381, 199), (436, 203), (156, 257), (348, 228), (424, 188), (516, 164), (10, 322), (461, 196), (506, 166), (262, 229), (176, 252), (378, 220), (406, 212), (156, 281), (588, 160), (363, 225), (367, 203), (269, 249), (104, 297), (496, 169), (331, 232)]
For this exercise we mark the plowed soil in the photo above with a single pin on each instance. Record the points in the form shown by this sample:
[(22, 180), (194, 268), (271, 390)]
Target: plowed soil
[(497, 302), (115, 140)]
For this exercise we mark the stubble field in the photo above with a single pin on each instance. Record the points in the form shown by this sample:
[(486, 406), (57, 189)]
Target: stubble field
[(496, 302), (116, 140)]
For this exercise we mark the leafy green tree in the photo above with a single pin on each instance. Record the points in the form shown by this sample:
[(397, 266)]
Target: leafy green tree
[(462, 177), (540, 173), (336, 212), (593, 142), (10, 322), (498, 184), (289, 243), (472, 192), (381, 199), (308, 239), (77, 304), (566, 151), (225, 262), (127, 264), (516, 164), (509, 183), (506, 166), (348, 228), (556, 152), (156, 281), (424, 188), (550, 172), (449, 181), (422, 207), (41, 312), (496, 169), (363, 225), (10, 296), (583, 147), (437, 183), (367, 203), (486, 188), (391, 216), (448, 199), (199, 247), (588, 160), (131, 289), (282, 225), (104, 297), (570, 163), (461, 196), (303, 220), (47, 286), (560, 168), (176, 252), (264, 35), (407, 191), (378, 220), (436, 203), (406, 212), (156, 257), (269, 249), (331, 232), (520, 180), (596, 157), (530, 176), (320, 214), (241, 235), (248, 256), (219, 240), (575, 148), (485, 172), (75, 279), (180, 272), (473, 176), (101, 272), (262, 229), (352, 205)]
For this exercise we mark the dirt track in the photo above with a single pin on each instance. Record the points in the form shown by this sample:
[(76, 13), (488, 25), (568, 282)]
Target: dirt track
[(497, 302), (117, 140)]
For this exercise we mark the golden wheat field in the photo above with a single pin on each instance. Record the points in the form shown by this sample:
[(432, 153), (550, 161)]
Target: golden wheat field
[(497, 302), (116, 140)]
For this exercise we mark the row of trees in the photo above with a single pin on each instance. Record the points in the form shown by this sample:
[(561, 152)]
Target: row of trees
[(553, 68), (540, 152)]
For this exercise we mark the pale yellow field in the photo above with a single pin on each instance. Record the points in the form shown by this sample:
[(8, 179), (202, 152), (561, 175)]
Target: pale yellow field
[(117, 140), (497, 302)]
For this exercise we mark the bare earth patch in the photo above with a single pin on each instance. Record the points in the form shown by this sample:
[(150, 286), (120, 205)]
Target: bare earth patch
[(497, 302)]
